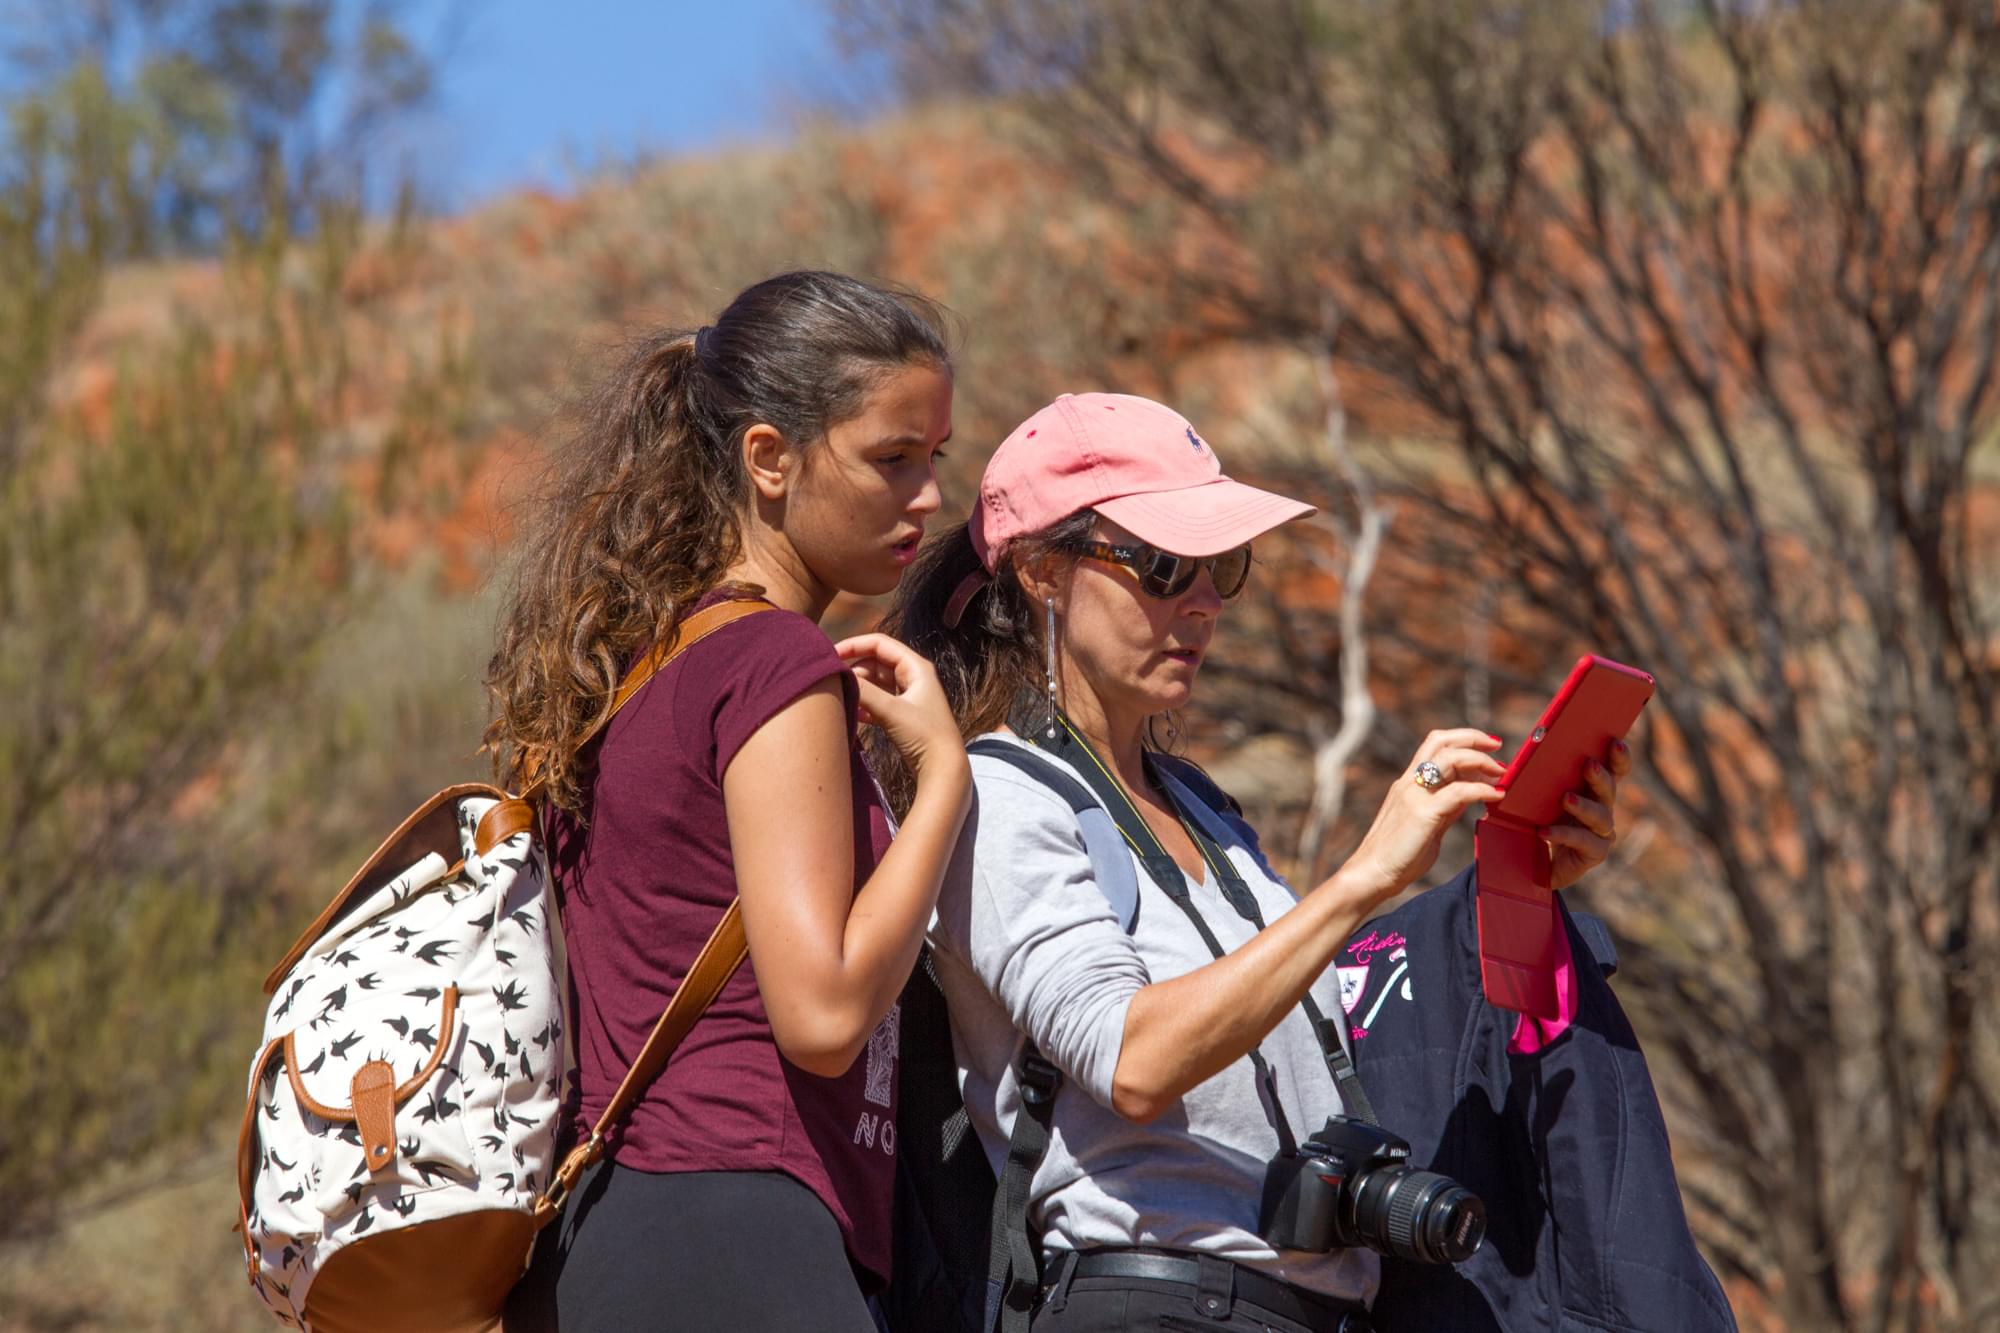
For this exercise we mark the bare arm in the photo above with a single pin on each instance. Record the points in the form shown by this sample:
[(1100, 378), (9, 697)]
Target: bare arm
[(831, 961), (1183, 1031)]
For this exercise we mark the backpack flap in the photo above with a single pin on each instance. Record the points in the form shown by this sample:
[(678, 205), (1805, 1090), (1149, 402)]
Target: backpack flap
[(433, 828), (360, 912)]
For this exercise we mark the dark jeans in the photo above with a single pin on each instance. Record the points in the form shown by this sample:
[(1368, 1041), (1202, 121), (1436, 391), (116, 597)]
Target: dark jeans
[(713, 1250)]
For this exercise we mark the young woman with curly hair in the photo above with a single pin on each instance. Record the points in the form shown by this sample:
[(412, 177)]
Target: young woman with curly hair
[(784, 452)]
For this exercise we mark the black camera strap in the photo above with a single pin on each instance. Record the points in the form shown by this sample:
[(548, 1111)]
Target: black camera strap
[(1069, 745)]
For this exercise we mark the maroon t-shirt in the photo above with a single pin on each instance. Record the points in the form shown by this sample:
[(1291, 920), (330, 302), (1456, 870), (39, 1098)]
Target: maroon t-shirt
[(643, 885)]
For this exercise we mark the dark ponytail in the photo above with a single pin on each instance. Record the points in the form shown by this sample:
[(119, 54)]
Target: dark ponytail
[(995, 650), (645, 512)]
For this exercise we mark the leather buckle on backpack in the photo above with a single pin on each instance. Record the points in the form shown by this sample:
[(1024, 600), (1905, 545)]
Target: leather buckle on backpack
[(573, 1165)]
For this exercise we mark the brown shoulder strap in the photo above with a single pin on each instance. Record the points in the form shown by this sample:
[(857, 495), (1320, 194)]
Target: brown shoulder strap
[(713, 966), (433, 827), (686, 635)]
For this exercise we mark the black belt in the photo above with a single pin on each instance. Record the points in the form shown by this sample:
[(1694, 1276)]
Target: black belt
[(1213, 1297)]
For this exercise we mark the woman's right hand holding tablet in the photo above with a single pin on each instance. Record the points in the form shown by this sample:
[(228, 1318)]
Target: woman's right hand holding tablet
[(1402, 843)]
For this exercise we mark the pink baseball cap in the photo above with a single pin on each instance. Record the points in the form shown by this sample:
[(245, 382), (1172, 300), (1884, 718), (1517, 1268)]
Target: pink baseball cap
[(1136, 462)]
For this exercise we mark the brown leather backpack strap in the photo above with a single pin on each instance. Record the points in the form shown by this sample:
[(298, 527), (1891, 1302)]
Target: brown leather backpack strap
[(686, 635), (434, 825), (713, 966)]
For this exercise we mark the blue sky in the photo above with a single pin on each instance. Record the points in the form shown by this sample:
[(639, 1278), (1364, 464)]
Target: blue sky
[(534, 88)]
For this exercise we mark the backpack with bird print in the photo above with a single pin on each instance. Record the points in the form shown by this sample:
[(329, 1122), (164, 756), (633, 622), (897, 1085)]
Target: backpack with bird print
[(397, 1151)]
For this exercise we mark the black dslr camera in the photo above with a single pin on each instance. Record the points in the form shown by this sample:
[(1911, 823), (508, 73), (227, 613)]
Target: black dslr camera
[(1351, 1184)]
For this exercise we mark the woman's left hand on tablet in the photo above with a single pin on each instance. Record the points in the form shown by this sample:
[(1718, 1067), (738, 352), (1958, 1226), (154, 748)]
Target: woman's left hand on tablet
[(1581, 842)]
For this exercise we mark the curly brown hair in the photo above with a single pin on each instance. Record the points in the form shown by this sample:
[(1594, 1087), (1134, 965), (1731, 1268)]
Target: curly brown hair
[(645, 513)]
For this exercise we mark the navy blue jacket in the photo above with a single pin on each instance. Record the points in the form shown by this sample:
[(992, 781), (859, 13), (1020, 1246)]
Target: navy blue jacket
[(1585, 1228)]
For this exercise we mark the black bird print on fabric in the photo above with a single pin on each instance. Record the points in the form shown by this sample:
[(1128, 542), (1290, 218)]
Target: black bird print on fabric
[(409, 1146), (285, 1259), (513, 1046), (428, 1173), (435, 952), (404, 1204), (506, 959), (313, 1068), (523, 918), (401, 1026), (366, 1220), (485, 1051), (439, 1107), (345, 958), (510, 996), (492, 1142), (545, 1036), (506, 1179), (424, 1038), (271, 1158), (353, 1193), (368, 982), (351, 1133), (285, 1005), (340, 1048), (526, 1072), (424, 993), (293, 1195)]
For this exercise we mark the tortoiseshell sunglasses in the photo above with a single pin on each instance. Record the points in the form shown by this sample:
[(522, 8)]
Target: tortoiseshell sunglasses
[(1166, 575)]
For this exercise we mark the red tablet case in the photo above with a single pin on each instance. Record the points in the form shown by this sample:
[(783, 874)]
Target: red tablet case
[(1516, 903)]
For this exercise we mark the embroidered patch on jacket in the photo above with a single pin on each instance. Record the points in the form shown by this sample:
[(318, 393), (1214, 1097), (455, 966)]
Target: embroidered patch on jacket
[(1352, 981)]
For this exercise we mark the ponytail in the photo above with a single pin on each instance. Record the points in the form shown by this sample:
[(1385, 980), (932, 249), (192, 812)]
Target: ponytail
[(640, 521)]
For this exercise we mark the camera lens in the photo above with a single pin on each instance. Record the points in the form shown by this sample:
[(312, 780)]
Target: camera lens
[(1418, 1215)]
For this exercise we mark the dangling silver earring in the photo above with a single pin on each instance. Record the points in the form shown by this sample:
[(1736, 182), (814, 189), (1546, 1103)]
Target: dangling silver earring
[(1049, 642)]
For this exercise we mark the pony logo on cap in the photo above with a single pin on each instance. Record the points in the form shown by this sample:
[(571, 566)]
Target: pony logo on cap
[(1194, 439)]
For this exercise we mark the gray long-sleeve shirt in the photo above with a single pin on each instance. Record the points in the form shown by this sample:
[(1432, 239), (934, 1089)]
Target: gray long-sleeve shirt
[(1025, 943)]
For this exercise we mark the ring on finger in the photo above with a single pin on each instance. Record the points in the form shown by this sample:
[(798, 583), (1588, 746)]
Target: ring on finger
[(1428, 775)]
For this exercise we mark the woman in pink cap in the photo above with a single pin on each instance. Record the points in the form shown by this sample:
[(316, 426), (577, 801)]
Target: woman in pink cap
[(1147, 1037)]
